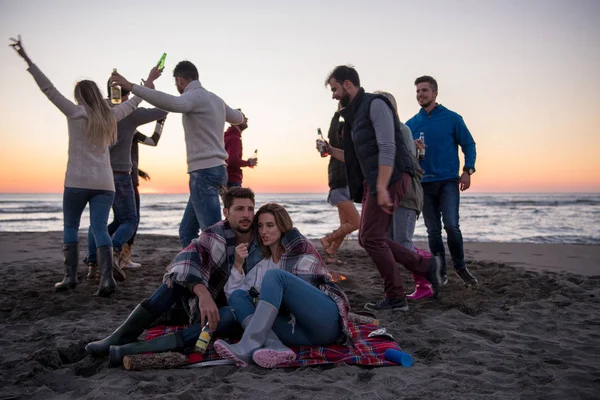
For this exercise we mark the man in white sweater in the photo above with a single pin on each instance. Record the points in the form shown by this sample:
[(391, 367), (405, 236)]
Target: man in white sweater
[(204, 117)]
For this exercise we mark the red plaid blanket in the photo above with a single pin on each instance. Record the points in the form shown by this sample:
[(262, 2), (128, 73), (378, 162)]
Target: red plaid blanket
[(367, 351)]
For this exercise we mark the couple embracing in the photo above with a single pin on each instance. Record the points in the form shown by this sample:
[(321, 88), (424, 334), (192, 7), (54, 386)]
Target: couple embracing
[(251, 269)]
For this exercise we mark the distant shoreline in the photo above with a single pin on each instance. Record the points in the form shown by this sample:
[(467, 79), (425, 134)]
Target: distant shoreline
[(582, 259)]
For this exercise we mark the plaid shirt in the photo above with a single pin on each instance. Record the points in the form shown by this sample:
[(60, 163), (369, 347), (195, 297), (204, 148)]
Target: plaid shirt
[(302, 259), (208, 261)]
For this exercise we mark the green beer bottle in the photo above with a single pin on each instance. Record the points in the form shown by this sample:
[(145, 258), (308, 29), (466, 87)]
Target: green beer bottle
[(161, 62)]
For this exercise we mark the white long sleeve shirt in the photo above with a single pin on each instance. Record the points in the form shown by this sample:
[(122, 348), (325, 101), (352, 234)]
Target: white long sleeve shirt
[(254, 277)]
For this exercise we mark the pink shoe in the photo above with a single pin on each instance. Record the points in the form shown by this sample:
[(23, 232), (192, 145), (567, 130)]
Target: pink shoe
[(421, 292)]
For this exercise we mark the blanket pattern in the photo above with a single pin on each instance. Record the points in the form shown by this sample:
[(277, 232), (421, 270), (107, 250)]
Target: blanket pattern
[(366, 351)]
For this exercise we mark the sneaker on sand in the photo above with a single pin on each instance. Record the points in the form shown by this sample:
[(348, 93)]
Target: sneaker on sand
[(466, 277), (444, 279), (387, 304)]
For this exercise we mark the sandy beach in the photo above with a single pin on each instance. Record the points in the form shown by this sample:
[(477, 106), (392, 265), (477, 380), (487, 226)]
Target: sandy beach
[(530, 330)]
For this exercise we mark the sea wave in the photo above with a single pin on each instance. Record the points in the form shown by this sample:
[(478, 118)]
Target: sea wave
[(37, 209)]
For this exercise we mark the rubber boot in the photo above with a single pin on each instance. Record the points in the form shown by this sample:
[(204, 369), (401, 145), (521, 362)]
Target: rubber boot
[(254, 336), (160, 344), (422, 289), (71, 254), (139, 320), (107, 284), (273, 352)]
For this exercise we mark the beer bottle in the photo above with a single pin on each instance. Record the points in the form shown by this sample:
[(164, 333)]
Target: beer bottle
[(421, 152), (321, 146), (203, 340), (161, 63), (115, 93), (254, 156)]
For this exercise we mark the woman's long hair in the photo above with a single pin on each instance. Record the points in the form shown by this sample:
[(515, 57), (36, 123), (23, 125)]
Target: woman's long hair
[(282, 220), (390, 97), (102, 125)]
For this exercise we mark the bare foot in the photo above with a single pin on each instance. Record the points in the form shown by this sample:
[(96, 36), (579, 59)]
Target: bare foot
[(327, 246)]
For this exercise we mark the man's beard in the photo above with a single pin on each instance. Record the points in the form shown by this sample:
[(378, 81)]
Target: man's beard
[(238, 229), (345, 100)]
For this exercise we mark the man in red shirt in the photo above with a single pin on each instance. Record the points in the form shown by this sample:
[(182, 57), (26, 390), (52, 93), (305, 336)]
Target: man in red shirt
[(233, 145)]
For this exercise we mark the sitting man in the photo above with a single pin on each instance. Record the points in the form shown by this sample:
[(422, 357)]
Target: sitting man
[(199, 274)]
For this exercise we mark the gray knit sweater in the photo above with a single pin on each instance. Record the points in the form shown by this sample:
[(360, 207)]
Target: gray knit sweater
[(204, 117), (88, 166)]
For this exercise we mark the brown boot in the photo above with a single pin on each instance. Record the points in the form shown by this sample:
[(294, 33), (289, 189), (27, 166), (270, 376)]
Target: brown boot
[(118, 273), (93, 275), (125, 261)]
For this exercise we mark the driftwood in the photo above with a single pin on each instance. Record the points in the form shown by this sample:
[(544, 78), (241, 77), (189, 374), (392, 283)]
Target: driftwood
[(144, 362)]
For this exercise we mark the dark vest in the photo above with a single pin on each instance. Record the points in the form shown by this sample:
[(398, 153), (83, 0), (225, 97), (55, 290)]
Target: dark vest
[(361, 153), (336, 169)]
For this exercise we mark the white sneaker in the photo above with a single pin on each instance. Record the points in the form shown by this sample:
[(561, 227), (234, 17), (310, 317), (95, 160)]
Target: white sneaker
[(131, 265)]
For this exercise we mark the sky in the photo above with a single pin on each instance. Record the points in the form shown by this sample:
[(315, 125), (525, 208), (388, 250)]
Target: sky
[(524, 74)]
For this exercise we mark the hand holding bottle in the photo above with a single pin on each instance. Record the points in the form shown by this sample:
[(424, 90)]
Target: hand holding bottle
[(18, 46), (117, 79)]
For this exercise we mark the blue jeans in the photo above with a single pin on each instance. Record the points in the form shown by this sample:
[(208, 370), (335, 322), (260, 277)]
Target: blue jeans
[(203, 208), (307, 315), (124, 210), (114, 225), (74, 202), (443, 199), (164, 298), (233, 184), (403, 227)]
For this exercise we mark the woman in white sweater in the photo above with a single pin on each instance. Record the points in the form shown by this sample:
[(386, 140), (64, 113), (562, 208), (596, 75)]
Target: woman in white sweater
[(92, 128)]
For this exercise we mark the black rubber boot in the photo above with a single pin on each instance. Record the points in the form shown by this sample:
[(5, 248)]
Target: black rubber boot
[(107, 284), (139, 320), (71, 254), (160, 344)]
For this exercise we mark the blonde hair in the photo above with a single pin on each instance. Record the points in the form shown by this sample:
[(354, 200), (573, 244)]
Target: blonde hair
[(390, 97), (102, 125), (282, 220)]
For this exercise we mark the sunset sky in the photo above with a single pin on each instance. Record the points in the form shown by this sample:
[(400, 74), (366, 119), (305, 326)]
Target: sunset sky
[(524, 74)]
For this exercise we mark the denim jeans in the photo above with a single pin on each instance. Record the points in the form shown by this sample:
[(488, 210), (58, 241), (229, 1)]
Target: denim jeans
[(203, 208), (114, 225), (124, 210), (443, 199), (403, 227), (307, 315), (74, 202), (164, 298), (233, 184)]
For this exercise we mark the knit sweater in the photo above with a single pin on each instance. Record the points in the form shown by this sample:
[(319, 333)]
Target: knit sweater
[(120, 153), (88, 165), (204, 117)]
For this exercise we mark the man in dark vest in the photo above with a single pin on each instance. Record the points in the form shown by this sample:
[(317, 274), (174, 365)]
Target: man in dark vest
[(378, 168)]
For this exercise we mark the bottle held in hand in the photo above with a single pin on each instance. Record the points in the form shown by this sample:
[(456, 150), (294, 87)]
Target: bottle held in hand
[(158, 127), (421, 152), (321, 146), (203, 340), (254, 157), (115, 93), (161, 63)]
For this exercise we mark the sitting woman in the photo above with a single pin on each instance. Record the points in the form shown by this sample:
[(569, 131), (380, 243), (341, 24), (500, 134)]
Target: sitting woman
[(298, 303)]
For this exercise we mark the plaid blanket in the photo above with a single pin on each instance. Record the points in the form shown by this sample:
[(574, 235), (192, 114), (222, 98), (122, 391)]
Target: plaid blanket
[(366, 351)]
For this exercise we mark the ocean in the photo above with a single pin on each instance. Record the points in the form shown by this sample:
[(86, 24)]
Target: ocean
[(526, 218)]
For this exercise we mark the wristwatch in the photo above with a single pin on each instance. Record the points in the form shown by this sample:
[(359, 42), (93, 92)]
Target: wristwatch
[(469, 170)]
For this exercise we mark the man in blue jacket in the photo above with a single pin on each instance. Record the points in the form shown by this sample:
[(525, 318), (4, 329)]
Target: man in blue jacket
[(444, 131)]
